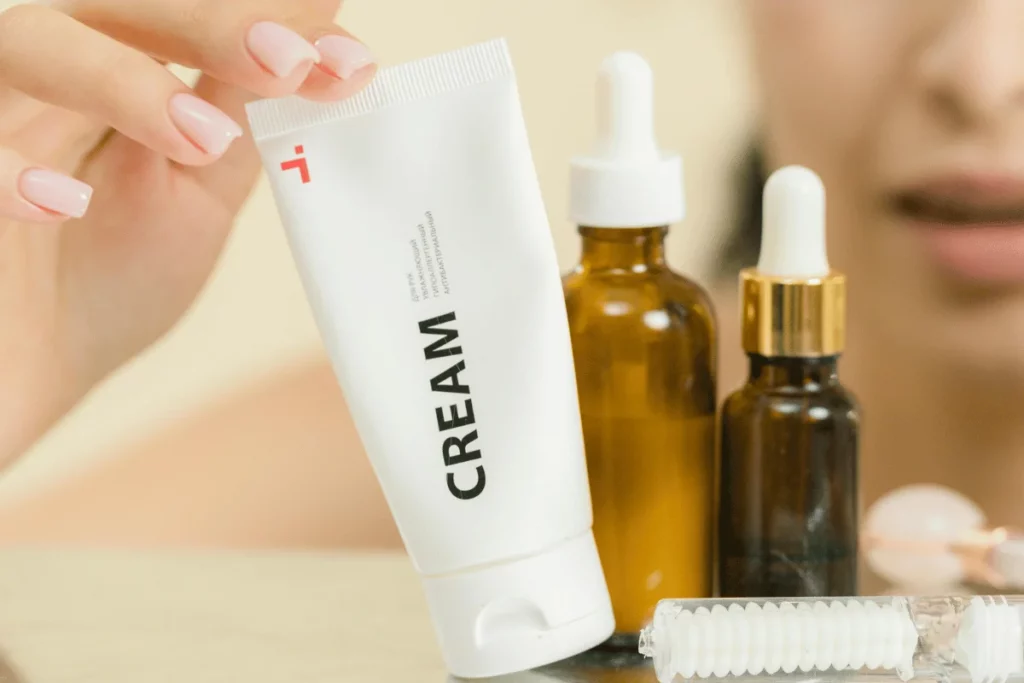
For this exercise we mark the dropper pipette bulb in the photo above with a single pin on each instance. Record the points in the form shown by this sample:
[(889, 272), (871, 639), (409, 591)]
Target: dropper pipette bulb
[(793, 235), (625, 109)]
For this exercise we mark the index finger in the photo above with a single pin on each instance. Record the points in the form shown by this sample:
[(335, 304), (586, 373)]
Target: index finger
[(266, 47)]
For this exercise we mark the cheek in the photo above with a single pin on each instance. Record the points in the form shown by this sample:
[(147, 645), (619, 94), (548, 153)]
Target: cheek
[(824, 69), (823, 73)]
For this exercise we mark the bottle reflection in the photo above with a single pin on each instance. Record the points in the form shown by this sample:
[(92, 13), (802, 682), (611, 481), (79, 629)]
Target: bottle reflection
[(598, 666)]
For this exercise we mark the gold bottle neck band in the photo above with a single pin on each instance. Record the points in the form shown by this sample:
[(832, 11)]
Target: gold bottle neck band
[(790, 317)]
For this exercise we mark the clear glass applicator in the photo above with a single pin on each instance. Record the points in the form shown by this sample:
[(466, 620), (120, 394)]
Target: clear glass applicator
[(938, 637)]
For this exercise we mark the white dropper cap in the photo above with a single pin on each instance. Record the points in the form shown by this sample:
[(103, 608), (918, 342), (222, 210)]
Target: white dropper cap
[(626, 182), (793, 236)]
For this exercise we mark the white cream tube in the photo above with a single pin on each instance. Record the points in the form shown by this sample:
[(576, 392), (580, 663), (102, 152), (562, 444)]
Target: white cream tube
[(415, 217)]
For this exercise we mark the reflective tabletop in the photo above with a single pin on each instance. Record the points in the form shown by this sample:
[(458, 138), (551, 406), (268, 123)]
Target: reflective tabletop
[(78, 616)]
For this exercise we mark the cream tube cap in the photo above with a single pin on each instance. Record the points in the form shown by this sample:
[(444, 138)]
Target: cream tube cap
[(521, 614), (626, 181)]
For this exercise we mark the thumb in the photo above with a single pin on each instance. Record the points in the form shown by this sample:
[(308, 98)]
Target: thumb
[(231, 177)]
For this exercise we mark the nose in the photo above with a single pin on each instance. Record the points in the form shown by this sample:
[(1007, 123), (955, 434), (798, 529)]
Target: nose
[(973, 68)]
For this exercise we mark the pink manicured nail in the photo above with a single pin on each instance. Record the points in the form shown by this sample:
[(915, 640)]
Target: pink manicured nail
[(280, 50), (55, 192), (341, 56), (207, 127)]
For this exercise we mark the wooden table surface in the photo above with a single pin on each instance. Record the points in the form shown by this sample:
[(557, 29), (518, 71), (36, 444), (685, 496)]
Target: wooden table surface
[(83, 616), (86, 616)]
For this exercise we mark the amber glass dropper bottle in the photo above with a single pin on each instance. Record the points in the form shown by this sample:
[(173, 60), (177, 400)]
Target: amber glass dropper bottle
[(788, 501), (644, 344)]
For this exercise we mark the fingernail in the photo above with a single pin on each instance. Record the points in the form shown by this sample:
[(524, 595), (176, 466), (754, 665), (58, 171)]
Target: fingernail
[(55, 192), (341, 56), (279, 49), (207, 127)]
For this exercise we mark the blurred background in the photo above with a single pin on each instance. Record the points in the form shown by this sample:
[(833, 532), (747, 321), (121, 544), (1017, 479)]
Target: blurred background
[(252, 319)]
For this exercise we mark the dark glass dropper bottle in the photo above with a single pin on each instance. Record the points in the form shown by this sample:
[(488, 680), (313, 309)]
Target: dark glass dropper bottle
[(788, 502)]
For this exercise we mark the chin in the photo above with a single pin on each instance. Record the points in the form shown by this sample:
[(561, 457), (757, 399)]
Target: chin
[(919, 311), (984, 342)]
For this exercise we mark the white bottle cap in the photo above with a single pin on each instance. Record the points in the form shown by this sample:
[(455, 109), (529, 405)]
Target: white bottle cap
[(626, 182), (518, 615), (793, 236)]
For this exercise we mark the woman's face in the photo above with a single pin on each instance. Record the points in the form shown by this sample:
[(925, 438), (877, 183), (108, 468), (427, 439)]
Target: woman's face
[(912, 111)]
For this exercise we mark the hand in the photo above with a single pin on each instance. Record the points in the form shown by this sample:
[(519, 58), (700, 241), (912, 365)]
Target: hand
[(94, 128)]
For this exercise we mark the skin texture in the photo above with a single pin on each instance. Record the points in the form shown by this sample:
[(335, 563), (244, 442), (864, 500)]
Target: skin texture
[(872, 94)]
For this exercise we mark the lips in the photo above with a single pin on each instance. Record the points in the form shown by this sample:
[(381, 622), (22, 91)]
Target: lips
[(958, 212), (971, 225)]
